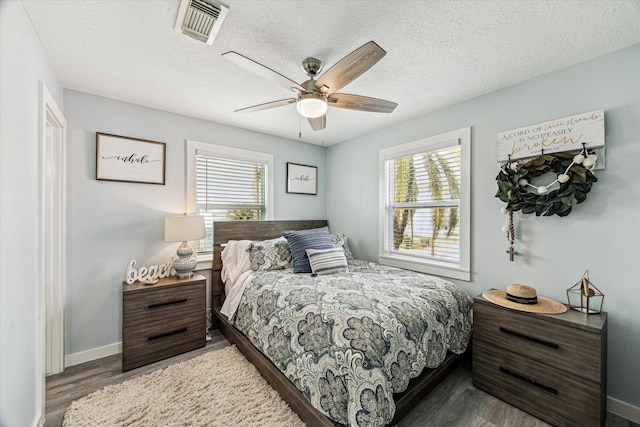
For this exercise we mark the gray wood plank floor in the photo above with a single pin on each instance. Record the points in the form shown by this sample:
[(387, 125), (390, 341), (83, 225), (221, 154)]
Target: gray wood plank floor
[(455, 402)]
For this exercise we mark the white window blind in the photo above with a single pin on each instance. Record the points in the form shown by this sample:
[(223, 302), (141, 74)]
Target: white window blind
[(425, 203), (229, 189)]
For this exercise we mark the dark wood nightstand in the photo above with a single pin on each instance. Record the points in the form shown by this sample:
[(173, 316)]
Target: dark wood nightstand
[(162, 320), (552, 366)]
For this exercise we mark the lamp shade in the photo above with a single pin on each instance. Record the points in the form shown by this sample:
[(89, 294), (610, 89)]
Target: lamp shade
[(184, 228), (311, 105)]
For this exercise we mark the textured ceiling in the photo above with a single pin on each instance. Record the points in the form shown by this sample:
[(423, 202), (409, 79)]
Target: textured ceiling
[(438, 53)]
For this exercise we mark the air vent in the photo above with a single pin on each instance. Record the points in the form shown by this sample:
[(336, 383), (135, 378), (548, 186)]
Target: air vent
[(200, 19)]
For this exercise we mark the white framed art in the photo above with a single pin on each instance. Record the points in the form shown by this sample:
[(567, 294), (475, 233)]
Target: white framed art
[(302, 179), (119, 158)]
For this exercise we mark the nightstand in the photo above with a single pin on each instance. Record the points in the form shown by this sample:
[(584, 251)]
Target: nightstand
[(162, 320), (552, 366)]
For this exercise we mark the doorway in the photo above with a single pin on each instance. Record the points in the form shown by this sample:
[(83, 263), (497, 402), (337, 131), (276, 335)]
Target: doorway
[(53, 131)]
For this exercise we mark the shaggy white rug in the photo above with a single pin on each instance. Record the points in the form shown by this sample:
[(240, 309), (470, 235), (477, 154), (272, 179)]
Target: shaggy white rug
[(218, 388)]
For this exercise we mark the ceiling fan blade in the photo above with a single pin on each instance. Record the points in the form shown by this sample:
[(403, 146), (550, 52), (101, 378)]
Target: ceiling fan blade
[(267, 105), (262, 71), (318, 123), (362, 103), (350, 67)]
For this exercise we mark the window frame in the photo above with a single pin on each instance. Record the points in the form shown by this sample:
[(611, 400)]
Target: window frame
[(386, 254), (195, 148)]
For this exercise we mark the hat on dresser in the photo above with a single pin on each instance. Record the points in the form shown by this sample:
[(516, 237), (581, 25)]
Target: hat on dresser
[(524, 298)]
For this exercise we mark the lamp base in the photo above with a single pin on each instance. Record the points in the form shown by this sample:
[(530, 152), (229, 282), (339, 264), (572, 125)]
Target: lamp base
[(186, 263)]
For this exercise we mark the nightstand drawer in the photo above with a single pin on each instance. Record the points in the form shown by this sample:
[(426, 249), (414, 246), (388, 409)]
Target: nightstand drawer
[(566, 348), (145, 345), (549, 393), (157, 305)]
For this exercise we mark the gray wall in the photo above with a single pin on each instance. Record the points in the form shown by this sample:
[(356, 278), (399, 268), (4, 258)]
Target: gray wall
[(110, 223), (24, 64), (601, 235)]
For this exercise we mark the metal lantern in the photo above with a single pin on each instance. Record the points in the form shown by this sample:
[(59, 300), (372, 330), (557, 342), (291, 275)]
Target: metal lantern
[(584, 296)]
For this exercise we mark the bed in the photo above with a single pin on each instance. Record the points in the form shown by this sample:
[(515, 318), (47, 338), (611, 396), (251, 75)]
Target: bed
[(336, 367)]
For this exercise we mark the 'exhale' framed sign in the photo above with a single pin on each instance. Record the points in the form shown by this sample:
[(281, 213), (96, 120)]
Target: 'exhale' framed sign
[(302, 179), (119, 158)]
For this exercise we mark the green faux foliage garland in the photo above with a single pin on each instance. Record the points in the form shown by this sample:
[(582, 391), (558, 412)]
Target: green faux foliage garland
[(512, 187)]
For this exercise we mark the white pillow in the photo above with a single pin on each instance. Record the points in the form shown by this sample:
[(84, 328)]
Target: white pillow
[(327, 261), (235, 260)]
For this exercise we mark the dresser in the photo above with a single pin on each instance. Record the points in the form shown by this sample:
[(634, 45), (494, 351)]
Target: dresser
[(552, 366), (162, 320)]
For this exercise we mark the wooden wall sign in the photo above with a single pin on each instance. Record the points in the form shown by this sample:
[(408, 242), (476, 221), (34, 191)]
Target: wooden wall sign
[(554, 136), (119, 158)]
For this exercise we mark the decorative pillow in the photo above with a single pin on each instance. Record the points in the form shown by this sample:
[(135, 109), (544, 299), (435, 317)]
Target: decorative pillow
[(327, 261), (301, 240), (268, 255), (340, 241)]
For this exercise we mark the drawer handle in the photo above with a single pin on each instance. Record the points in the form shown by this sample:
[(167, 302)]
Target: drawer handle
[(162, 304), (526, 337), (528, 380), (166, 334)]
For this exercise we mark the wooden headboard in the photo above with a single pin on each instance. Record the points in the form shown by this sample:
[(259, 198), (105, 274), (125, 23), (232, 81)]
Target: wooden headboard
[(224, 231)]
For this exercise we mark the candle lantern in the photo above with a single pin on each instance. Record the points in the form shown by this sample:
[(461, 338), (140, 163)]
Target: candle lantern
[(584, 296)]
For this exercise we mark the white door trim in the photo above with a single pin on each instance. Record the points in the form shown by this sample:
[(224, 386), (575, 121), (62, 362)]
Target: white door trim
[(52, 264)]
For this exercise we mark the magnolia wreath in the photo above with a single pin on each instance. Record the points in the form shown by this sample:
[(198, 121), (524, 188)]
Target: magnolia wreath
[(574, 176)]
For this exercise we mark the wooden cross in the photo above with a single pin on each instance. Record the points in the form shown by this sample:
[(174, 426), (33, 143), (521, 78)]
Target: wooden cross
[(511, 253)]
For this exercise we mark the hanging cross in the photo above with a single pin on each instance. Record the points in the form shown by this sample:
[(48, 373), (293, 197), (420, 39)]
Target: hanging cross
[(511, 253)]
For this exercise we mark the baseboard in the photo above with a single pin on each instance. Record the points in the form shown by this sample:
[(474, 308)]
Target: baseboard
[(93, 354), (623, 409)]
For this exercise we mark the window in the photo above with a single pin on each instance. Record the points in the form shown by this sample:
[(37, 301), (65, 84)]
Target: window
[(425, 204), (227, 184)]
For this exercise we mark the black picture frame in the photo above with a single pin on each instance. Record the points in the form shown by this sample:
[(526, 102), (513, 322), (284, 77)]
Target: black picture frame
[(302, 179)]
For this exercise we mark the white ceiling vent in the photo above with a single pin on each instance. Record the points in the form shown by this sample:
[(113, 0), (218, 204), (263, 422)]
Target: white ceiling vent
[(201, 19)]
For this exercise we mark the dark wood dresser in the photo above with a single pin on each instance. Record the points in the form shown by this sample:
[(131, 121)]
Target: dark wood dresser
[(162, 320), (552, 366)]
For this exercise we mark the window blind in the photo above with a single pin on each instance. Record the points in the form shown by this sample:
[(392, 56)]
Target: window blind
[(228, 190), (423, 203)]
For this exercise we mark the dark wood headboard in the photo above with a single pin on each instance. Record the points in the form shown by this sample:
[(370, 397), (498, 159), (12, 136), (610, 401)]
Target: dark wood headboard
[(224, 231)]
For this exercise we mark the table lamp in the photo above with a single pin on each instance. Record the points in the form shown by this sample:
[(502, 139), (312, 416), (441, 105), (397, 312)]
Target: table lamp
[(184, 229)]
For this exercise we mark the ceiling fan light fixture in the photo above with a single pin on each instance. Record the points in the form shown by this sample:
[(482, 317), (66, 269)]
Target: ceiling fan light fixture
[(311, 105)]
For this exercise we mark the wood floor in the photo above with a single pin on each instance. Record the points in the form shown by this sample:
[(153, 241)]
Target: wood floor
[(455, 402)]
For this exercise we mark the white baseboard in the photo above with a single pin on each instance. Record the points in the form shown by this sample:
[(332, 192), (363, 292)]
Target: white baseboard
[(93, 354), (623, 409)]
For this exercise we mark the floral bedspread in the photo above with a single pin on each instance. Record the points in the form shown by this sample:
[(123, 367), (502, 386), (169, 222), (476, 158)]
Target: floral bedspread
[(349, 341)]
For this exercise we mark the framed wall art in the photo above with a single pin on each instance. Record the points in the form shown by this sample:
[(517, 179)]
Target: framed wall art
[(302, 179), (119, 158)]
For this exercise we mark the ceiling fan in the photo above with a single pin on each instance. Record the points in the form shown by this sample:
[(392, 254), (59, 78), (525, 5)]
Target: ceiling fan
[(315, 95)]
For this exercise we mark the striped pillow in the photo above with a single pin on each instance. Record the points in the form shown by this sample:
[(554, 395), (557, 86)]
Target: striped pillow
[(301, 240), (328, 261)]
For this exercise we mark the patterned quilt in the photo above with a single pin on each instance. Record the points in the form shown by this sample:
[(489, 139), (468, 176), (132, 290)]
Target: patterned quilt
[(349, 341)]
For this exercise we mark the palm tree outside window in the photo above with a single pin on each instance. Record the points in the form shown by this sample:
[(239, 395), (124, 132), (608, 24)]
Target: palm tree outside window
[(426, 204)]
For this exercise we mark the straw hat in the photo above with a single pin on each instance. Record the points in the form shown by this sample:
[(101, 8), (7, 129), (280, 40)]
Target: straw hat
[(524, 298)]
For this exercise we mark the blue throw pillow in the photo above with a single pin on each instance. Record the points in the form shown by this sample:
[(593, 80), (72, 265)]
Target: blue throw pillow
[(300, 241)]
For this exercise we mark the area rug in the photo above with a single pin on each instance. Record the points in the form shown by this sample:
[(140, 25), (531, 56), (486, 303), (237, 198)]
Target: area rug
[(218, 388)]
